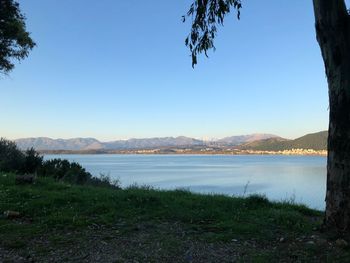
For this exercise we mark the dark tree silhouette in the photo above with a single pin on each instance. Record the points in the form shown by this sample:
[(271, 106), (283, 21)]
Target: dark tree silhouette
[(15, 41), (333, 35), (206, 16)]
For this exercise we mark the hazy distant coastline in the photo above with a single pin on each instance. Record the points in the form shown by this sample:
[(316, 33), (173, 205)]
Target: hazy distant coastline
[(92, 144), (262, 144), (303, 152)]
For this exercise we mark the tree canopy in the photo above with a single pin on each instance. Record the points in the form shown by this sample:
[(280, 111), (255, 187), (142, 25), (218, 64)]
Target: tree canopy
[(15, 41)]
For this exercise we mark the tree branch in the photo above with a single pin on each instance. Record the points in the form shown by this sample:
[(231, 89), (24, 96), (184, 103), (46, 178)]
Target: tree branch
[(206, 16)]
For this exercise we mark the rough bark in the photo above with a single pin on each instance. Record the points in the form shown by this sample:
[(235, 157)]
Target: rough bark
[(333, 35)]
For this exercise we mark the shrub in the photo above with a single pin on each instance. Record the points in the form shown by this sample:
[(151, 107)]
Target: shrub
[(14, 160), (32, 161), (104, 181), (257, 200), (63, 170), (11, 158)]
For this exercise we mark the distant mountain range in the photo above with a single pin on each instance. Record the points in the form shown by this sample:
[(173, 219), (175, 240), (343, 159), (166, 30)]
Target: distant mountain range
[(260, 142), (44, 143), (83, 144)]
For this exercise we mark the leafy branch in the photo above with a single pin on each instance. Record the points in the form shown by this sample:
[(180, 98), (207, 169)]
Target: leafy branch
[(206, 16)]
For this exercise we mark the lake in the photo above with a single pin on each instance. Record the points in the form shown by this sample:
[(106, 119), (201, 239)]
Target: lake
[(298, 178)]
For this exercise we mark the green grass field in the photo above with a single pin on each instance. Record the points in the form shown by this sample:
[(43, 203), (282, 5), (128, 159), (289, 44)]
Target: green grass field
[(175, 226)]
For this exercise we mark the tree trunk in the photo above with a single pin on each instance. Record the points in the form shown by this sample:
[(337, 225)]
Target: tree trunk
[(333, 36)]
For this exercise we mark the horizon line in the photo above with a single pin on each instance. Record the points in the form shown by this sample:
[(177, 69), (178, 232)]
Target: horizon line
[(202, 138)]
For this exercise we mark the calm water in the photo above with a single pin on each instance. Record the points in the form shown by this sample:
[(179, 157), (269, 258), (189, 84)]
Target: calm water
[(301, 178)]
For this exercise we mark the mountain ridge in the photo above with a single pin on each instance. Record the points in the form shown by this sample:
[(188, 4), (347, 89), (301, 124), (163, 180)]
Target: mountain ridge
[(73, 144), (255, 142)]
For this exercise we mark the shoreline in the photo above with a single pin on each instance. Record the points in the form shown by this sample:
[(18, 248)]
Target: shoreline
[(96, 224), (293, 152)]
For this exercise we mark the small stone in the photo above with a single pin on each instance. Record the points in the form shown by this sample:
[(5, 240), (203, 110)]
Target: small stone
[(321, 242), (189, 258), (11, 214), (234, 240), (24, 179), (341, 243), (310, 242), (282, 239)]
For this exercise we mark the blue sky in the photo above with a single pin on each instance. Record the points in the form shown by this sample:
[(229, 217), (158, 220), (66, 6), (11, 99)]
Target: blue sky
[(119, 69)]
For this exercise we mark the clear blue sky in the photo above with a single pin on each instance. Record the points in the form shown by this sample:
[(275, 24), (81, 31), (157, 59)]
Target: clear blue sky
[(119, 69)]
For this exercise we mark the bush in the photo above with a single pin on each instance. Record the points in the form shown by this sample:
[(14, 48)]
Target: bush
[(11, 158), (63, 170), (14, 160), (257, 200), (32, 161), (104, 181)]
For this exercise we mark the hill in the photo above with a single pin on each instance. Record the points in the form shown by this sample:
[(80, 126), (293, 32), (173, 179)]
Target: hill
[(44, 143), (315, 141)]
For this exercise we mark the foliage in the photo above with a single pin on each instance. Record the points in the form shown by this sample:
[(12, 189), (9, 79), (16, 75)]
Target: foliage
[(257, 200), (104, 181), (206, 16), (11, 158), (14, 160), (65, 171), (32, 162), (15, 41), (72, 172)]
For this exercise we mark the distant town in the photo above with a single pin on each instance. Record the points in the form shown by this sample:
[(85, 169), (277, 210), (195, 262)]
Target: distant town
[(225, 151)]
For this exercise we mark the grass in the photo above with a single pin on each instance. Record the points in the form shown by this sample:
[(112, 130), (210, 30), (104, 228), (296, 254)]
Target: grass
[(52, 209)]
